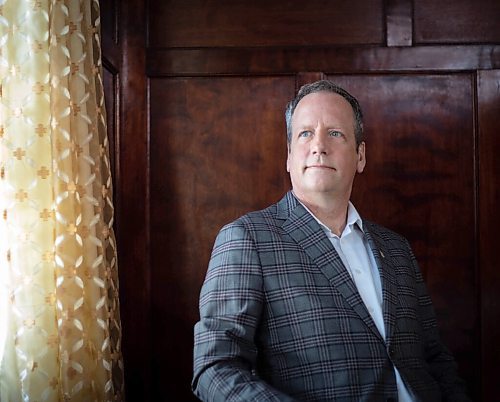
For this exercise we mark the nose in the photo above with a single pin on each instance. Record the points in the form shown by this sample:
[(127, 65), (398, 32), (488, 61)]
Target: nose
[(318, 144)]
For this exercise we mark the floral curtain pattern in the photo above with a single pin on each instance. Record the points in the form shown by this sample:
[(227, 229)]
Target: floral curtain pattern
[(60, 328)]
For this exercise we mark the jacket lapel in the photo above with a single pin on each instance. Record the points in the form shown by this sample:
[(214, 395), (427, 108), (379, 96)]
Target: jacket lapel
[(306, 232), (387, 278)]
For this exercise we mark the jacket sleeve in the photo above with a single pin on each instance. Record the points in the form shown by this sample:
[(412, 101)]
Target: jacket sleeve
[(231, 303), (441, 363)]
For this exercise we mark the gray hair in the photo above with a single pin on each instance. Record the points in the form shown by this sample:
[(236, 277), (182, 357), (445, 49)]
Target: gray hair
[(325, 86)]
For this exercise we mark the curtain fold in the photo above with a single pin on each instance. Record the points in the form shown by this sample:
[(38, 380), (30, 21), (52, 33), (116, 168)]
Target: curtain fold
[(60, 329)]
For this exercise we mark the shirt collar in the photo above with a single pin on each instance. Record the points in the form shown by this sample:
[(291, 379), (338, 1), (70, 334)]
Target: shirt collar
[(353, 217)]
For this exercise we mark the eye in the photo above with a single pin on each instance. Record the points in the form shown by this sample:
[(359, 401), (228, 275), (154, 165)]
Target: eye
[(304, 134), (335, 133)]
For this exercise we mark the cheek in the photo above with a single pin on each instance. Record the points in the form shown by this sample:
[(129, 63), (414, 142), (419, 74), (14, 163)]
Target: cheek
[(345, 156), (295, 159)]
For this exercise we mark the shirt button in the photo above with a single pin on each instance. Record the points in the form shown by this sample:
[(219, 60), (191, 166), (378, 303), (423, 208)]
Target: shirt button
[(358, 271)]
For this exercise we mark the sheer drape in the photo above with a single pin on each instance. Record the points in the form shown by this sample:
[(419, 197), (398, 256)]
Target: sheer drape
[(59, 314)]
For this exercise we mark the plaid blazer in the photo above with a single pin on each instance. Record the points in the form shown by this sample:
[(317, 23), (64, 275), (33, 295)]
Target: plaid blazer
[(281, 318)]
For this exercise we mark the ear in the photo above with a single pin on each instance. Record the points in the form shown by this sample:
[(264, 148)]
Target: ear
[(361, 157), (288, 158)]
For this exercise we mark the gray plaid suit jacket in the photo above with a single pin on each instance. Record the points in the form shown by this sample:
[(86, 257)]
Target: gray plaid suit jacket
[(282, 320)]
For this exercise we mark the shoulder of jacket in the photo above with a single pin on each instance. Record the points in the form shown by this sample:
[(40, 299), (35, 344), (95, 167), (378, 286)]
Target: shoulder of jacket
[(383, 232), (255, 220)]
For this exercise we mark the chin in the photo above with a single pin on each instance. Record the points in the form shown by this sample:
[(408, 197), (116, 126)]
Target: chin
[(321, 186), (318, 190)]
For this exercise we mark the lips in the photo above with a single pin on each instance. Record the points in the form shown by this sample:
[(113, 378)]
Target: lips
[(320, 167)]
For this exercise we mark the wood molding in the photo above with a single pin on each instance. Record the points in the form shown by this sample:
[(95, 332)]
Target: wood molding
[(111, 56), (399, 22), (488, 95), (331, 60), (305, 78), (133, 195)]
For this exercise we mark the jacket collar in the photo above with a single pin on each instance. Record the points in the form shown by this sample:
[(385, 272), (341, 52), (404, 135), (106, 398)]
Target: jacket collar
[(306, 232), (388, 278)]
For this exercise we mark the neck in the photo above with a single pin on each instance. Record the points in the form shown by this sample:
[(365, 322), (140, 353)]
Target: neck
[(331, 211)]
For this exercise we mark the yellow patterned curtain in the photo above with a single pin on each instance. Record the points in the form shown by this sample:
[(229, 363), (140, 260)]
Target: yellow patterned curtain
[(60, 328)]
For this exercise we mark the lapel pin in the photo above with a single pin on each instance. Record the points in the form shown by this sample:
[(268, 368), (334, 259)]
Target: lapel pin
[(382, 254)]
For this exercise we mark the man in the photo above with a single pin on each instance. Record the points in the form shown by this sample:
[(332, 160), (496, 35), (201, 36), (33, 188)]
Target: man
[(305, 301)]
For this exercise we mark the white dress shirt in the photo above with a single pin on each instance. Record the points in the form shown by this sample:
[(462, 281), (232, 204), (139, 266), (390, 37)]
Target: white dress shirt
[(357, 256)]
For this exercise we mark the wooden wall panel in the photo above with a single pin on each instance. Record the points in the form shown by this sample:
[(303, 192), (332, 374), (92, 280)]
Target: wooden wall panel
[(124, 49), (489, 222), (197, 23), (420, 181), (218, 150), (457, 21), (109, 20), (266, 61), (399, 22)]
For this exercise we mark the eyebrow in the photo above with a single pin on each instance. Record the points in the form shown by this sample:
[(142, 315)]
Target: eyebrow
[(312, 127)]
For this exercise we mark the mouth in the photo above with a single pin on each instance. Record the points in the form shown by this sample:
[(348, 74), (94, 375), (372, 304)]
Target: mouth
[(321, 167)]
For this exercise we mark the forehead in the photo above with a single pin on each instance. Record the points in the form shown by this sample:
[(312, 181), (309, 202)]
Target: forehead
[(324, 107)]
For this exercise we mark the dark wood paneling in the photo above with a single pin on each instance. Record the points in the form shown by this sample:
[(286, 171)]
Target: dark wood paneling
[(399, 22), (218, 150), (111, 95), (109, 20), (457, 21), (489, 222), (213, 62), (215, 137), (198, 23), (419, 181), (132, 193), (111, 64)]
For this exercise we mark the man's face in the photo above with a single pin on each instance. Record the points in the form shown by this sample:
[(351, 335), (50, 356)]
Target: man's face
[(322, 157)]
